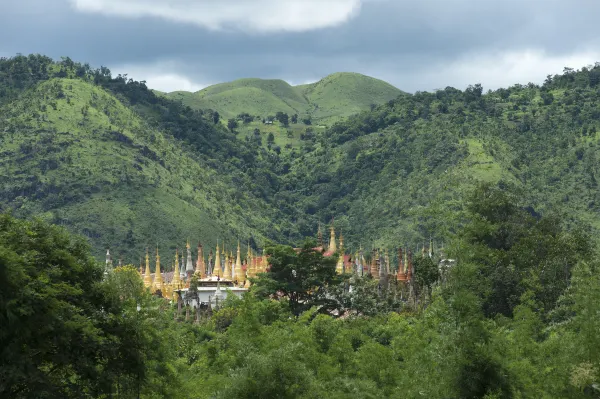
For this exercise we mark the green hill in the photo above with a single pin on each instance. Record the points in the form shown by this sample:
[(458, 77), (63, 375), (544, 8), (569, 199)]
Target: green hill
[(111, 160), (326, 101), (77, 155), (400, 172)]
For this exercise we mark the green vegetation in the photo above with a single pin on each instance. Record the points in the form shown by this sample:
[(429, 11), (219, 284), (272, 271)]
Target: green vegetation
[(516, 317), (129, 169), (113, 162), (332, 98)]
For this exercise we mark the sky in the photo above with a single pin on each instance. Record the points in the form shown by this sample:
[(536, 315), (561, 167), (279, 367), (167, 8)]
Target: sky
[(416, 45)]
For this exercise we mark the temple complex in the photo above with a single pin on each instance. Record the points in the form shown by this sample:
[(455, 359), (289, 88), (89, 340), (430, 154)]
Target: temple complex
[(222, 272)]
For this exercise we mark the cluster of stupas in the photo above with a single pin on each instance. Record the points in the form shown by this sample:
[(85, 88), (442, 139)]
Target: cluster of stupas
[(236, 271), (222, 267)]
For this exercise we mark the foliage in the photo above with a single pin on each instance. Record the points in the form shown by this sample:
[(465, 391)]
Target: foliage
[(63, 333), (300, 276)]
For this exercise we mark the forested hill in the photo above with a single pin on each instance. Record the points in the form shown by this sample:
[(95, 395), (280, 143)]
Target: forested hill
[(399, 172), (109, 159)]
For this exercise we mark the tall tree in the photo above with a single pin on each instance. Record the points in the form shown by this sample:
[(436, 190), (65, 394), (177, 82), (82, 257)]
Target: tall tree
[(302, 276)]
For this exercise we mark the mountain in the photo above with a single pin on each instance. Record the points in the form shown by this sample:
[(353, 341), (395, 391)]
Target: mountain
[(84, 150), (107, 158), (400, 172), (334, 97)]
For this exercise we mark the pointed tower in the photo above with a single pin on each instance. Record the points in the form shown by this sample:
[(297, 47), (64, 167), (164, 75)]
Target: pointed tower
[(339, 268), (158, 279), (363, 261), (332, 246), (108, 268), (374, 271), (240, 277), (423, 252), (252, 267), (409, 267), (381, 264), (141, 268), (264, 264), (200, 265), (147, 275), (176, 283), (430, 247), (320, 237), (217, 272), (401, 275), (387, 262), (227, 272), (189, 265), (249, 262), (209, 266), (182, 274)]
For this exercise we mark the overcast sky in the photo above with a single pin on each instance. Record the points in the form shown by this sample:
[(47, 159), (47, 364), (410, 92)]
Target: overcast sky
[(413, 44)]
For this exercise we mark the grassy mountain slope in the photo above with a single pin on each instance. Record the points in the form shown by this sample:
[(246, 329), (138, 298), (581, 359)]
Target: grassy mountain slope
[(75, 154), (343, 94), (326, 101)]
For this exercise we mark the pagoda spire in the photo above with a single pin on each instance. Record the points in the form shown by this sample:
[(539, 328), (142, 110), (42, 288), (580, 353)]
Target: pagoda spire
[(189, 265), (430, 247), (401, 276), (320, 237), (239, 272), (332, 247), (340, 264), (147, 275), (108, 268), (263, 262), (409, 267), (158, 280), (252, 266), (176, 282), (227, 272), (387, 262), (217, 266), (200, 265), (374, 271)]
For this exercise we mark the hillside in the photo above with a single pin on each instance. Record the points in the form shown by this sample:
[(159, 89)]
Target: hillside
[(77, 155), (326, 101), (109, 159), (400, 172)]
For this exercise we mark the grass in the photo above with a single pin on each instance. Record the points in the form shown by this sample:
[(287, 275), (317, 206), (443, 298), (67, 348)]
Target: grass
[(327, 101)]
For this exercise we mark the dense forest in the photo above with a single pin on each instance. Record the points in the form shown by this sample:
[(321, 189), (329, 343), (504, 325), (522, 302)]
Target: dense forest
[(516, 317)]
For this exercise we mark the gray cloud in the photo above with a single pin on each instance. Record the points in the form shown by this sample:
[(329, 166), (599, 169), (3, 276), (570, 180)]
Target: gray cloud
[(416, 45)]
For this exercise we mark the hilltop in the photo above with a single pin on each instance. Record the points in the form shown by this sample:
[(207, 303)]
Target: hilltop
[(332, 98)]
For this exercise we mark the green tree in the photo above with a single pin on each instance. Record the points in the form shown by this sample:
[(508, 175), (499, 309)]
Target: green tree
[(232, 124), (63, 334), (301, 276), (283, 118)]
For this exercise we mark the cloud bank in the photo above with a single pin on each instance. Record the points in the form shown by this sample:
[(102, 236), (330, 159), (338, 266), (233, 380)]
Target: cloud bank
[(251, 15)]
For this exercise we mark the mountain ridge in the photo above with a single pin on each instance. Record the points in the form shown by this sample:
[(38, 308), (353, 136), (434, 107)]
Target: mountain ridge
[(263, 97)]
